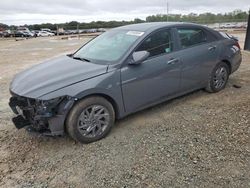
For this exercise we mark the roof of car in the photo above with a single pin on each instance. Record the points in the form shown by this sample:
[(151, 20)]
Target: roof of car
[(151, 25)]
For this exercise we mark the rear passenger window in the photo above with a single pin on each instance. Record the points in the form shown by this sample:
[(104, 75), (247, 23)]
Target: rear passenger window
[(191, 37), (157, 43)]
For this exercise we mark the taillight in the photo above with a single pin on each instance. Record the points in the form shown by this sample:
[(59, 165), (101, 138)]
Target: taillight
[(237, 44)]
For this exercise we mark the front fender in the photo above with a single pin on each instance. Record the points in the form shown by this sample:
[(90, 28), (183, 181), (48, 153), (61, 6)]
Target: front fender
[(107, 84)]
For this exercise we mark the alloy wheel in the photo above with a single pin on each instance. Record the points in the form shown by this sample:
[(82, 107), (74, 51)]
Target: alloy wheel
[(93, 121), (220, 77)]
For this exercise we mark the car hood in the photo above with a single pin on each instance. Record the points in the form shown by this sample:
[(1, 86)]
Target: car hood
[(53, 75)]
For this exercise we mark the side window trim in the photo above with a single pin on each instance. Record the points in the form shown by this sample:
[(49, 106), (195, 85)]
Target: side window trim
[(172, 36), (190, 27), (210, 35)]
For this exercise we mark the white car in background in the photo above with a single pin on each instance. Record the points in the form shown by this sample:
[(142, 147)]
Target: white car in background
[(45, 34), (228, 25)]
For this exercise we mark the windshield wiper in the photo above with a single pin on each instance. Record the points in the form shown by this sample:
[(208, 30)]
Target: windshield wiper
[(81, 58)]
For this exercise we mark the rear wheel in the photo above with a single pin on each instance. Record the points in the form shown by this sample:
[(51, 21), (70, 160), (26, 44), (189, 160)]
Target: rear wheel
[(218, 78), (90, 119)]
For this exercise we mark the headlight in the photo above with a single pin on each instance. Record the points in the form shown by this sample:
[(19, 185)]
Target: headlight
[(52, 101), (43, 106)]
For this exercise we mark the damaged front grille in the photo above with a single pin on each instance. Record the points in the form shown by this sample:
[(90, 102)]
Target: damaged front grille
[(44, 116), (30, 112)]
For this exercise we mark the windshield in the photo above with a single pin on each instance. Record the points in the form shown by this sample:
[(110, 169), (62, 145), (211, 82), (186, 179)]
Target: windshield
[(108, 47)]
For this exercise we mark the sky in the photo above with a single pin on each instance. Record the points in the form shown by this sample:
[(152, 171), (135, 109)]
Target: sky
[(19, 12)]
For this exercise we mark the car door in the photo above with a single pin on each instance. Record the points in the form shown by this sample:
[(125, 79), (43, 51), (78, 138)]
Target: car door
[(198, 54), (155, 78)]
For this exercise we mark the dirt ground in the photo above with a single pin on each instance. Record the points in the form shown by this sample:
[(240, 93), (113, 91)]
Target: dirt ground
[(198, 140)]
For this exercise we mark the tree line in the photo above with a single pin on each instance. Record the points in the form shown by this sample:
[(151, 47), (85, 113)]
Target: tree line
[(205, 18)]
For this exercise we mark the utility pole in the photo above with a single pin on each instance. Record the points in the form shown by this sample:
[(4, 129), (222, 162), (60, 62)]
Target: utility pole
[(57, 30), (247, 41), (167, 10), (78, 34)]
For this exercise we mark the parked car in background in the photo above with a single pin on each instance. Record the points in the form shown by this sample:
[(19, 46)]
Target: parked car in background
[(92, 30), (228, 25), (34, 33), (120, 72), (55, 32), (23, 34), (83, 31), (242, 25), (68, 32), (6, 33), (24, 29), (101, 30), (46, 29), (45, 34)]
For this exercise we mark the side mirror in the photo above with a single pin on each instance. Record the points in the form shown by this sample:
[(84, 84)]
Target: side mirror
[(139, 57)]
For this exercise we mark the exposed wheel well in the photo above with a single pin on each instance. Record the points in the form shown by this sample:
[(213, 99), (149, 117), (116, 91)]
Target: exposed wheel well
[(229, 65)]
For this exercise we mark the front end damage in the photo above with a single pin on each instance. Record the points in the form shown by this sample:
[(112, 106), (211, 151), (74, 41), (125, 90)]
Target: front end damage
[(45, 117)]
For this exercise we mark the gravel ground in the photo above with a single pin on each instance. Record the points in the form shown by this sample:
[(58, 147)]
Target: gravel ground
[(198, 140)]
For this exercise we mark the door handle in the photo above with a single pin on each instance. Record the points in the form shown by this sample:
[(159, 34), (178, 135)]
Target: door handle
[(173, 61), (212, 48)]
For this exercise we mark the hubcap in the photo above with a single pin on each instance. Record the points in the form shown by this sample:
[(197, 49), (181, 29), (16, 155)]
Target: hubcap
[(220, 77), (93, 121)]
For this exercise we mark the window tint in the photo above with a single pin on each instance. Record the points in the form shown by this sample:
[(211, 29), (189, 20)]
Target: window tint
[(158, 43), (191, 37)]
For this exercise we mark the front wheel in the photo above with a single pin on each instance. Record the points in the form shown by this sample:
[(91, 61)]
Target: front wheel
[(218, 78), (91, 119)]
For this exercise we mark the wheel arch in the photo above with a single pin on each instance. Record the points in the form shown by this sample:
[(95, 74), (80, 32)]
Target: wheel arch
[(228, 63), (108, 98), (105, 96)]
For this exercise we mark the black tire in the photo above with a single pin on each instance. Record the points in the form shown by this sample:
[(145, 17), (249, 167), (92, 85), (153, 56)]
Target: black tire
[(77, 127), (212, 86)]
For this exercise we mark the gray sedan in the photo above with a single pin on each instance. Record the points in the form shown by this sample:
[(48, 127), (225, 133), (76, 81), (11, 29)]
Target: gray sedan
[(122, 71)]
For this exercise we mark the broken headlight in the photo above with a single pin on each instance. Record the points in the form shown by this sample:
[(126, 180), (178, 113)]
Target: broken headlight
[(48, 107)]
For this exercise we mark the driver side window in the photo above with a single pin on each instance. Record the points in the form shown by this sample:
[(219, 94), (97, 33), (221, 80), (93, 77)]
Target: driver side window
[(157, 43)]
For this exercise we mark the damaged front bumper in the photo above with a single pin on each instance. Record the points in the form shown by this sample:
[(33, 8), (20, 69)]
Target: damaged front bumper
[(46, 117)]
